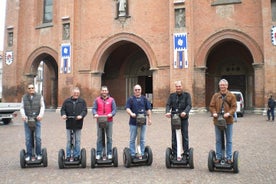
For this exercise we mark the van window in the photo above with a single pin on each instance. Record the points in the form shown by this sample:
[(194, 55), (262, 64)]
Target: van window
[(238, 97)]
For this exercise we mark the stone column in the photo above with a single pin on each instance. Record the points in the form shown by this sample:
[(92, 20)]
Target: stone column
[(199, 93), (259, 85)]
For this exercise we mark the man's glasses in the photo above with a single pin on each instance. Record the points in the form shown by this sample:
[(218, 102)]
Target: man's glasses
[(137, 89), (31, 88)]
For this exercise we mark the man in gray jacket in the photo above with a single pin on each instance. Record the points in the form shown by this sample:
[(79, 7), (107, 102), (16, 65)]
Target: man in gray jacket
[(32, 106)]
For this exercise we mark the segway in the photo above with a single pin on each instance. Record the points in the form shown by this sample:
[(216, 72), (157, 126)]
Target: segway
[(184, 160), (138, 159), (223, 165), (33, 160), (104, 161), (63, 162)]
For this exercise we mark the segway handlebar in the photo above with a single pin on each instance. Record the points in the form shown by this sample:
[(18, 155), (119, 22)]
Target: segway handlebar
[(71, 117)]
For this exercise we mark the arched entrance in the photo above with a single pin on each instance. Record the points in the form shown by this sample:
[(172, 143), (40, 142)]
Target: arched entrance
[(42, 70), (123, 61), (236, 56), (126, 66), (231, 60)]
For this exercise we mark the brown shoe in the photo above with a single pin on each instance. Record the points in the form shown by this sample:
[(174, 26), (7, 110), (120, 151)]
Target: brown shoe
[(229, 162), (216, 161)]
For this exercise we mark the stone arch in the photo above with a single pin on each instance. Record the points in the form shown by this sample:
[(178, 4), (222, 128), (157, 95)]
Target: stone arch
[(103, 51), (37, 54), (206, 47)]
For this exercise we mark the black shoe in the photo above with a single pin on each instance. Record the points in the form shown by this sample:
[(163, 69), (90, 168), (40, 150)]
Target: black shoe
[(76, 159)]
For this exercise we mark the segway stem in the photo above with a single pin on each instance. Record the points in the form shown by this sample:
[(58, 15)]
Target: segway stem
[(138, 141), (33, 142), (178, 142), (223, 143), (103, 141), (72, 142)]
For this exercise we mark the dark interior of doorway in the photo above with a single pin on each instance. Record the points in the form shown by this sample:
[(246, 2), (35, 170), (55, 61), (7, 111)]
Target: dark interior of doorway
[(236, 82), (146, 84)]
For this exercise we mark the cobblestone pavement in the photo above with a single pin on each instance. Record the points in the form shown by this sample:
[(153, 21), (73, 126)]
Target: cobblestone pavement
[(253, 137)]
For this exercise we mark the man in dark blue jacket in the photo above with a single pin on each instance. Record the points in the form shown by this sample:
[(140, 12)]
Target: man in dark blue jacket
[(74, 110), (270, 108)]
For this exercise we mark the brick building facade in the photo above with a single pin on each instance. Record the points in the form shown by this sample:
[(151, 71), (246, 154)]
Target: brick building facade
[(119, 43)]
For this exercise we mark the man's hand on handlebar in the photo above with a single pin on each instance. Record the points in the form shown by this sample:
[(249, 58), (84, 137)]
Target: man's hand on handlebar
[(168, 115)]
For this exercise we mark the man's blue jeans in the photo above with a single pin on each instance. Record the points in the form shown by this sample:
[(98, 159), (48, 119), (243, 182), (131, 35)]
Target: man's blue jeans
[(108, 134), (77, 138), (29, 139), (270, 111), (228, 132), (133, 135)]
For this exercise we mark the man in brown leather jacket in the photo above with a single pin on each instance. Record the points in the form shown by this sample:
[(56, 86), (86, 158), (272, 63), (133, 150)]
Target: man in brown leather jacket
[(224, 103)]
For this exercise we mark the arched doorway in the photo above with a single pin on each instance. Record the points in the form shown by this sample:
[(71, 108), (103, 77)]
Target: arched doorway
[(42, 70), (230, 59), (127, 65)]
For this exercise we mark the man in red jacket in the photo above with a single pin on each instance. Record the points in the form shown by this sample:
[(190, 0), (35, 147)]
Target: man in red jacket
[(104, 105)]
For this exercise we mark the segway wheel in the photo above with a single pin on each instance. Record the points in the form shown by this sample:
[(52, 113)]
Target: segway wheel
[(211, 160), (44, 157), (148, 151), (115, 157), (83, 158), (93, 158), (168, 157), (236, 162), (127, 157), (22, 158), (61, 157), (191, 158)]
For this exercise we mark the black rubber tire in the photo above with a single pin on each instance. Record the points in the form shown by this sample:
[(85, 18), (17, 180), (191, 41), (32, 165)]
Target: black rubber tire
[(6, 121), (168, 157), (236, 162), (61, 157), (93, 158), (22, 158), (126, 157), (191, 158), (115, 157), (211, 157), (44, 157), (148, 151), (83, 158)]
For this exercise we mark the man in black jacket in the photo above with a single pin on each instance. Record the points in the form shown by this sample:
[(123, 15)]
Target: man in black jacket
[(180, 103), (74, 110)]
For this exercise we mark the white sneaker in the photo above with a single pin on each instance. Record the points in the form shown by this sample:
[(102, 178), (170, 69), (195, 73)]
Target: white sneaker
[(39, 157), (98, 157), (27, 159), (109, 157)]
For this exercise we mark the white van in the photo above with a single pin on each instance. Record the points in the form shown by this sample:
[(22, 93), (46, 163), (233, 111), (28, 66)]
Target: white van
[(240, 102)]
